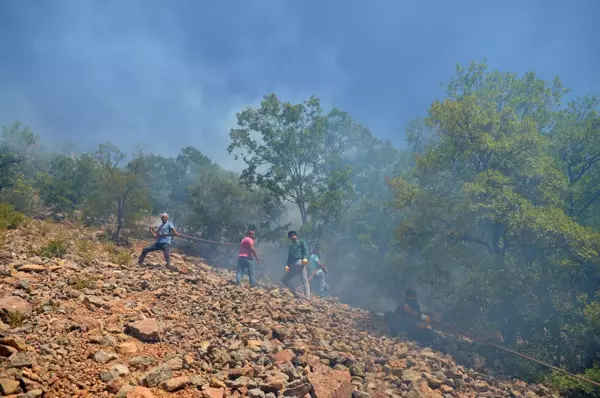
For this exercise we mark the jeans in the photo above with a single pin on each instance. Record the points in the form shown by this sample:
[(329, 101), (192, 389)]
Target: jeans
[(319, 278), (245, 263), (164, 247), (297, 269)]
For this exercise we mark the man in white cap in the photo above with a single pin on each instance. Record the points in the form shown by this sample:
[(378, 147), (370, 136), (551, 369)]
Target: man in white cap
[(163, 239)]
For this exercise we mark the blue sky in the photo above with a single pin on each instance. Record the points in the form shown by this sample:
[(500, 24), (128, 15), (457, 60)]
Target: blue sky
[(166, 74)]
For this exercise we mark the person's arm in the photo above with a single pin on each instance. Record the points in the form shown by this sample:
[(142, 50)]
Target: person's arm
[(152, 231), (407, 308), (253, 250), (321, 265), (305, 253)]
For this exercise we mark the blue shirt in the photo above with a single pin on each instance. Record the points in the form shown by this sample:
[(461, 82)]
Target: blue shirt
[(314, 263), (165, 229)]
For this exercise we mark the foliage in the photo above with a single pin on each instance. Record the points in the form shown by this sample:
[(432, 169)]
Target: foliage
[(488, 196), (15, 147), (56, 248), (9, 218)]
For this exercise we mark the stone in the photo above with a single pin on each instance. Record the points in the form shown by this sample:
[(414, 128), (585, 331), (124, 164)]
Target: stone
[(103, 357), (144, 330), (155, 376), (32, 268), (14, 341), (141, 362), (212, 392), (8, 386), (284, 356), (127, 347), (329, 383), (175, 384), (12, 305), (6, 351), (139, 392)]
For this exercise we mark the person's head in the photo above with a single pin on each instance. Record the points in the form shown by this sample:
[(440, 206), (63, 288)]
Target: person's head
[(250, 234), (164, 217), (411, 294), (316, 250), (292, 236)]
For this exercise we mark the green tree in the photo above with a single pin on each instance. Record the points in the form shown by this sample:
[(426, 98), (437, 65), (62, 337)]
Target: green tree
[(119, 192), (15, 149), (487, 198)]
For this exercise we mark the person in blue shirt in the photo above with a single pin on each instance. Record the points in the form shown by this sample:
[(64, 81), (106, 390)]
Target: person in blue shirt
[(317, 272), (163, 239)]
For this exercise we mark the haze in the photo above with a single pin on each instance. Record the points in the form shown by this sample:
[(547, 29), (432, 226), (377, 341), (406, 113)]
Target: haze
[(165, 76)]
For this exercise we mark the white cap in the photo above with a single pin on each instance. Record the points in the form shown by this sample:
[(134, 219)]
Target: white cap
[(164, 215)]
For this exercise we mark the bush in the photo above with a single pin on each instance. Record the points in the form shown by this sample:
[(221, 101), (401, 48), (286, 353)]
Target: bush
[(54, 248), (85, 249), (120, 257), (9, 218)]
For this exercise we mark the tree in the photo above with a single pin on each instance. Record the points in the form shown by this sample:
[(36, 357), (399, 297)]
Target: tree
[(15, 147), (223, 208), (67, 183), (119, 191), (487, 197), (281, 144)]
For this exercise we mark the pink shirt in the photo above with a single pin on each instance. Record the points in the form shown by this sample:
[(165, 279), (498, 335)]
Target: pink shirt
[(246, 247)]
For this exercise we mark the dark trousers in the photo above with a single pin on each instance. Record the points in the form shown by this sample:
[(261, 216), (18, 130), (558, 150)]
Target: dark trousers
[(245, 263), (164, 247), (408, 327)]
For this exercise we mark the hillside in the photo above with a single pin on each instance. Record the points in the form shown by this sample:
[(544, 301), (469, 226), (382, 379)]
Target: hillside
[(92, 324)]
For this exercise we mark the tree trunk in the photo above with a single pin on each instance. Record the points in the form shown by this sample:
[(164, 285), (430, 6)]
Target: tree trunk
[(120, 217)]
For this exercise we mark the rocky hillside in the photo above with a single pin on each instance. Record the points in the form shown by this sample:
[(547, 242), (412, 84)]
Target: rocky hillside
[(93, 324)]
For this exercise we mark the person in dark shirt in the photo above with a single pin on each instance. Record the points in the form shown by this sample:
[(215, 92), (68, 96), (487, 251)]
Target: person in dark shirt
[(296, 263), (408, 318)]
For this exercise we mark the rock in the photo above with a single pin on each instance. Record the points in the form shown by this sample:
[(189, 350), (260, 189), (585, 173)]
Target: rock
[(6, 351), (95, 302), (127, 347), (108, 375), (481, 386), (303, 389), (13, 306), (141, 362), (139, 392), (20, 360), (329, 383), (155, 376), (212, 392), (284, 356), (255, 393), (87, 324), (145, 330), (273, 384), (14, 341), (103, 357), (8, 387), (32, 268), (175, 384), (420, 389), (120, 369)]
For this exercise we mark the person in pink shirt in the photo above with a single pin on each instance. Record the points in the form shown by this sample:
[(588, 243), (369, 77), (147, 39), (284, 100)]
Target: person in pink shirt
[(245, 259)]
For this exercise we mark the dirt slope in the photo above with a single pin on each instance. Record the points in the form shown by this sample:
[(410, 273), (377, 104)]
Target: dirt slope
[(86, 326)]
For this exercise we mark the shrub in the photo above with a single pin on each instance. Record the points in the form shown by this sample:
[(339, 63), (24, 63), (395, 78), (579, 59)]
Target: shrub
[(82, 282), (85, 249), (9, 218), (55, 248)]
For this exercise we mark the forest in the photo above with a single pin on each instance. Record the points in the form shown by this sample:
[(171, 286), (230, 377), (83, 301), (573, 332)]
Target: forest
[(490, 209)]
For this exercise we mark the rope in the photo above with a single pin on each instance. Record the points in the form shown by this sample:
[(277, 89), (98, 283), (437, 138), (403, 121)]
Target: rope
[(484, 341), (204, 240)]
